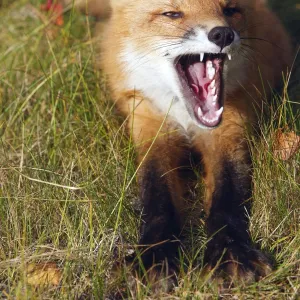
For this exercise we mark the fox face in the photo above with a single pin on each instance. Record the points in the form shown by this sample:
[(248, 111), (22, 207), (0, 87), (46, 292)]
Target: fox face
[(183, 55)]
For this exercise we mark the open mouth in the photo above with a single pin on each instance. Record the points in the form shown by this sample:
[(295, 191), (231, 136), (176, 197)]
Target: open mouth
[(201, 78)]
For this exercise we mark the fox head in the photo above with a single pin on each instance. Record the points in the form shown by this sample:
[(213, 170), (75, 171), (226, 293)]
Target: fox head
[(185, 51)]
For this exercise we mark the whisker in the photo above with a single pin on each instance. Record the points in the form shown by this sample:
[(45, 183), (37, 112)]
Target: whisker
[(142, 60), (262, 40), (255, 26), (254, 50), (247, 55)]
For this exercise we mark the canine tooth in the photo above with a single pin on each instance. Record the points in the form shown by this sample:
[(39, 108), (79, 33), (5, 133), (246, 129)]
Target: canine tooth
[(219, 112), (201, 56), (229, 56), (213, 91), (200, 113)]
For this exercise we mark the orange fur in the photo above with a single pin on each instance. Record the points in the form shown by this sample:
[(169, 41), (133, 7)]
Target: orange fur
[(272, 58), (162, 141)]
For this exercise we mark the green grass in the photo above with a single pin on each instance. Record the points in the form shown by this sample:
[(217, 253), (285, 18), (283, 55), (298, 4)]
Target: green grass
[(67, 186)]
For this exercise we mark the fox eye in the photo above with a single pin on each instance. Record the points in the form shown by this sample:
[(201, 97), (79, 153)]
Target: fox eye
[(230, 11), (173, 14)]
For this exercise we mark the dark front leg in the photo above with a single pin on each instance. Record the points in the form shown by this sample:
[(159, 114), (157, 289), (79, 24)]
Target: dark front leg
[(230, 251), (160, 225), (230, 246), (161, 150), (160, 193)]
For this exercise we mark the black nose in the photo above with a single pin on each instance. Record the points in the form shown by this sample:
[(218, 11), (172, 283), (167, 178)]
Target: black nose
[(221, 36)]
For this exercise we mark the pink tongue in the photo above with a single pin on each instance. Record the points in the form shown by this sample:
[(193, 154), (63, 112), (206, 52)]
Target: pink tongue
[(195, 88), (197, 72), (199, 80)]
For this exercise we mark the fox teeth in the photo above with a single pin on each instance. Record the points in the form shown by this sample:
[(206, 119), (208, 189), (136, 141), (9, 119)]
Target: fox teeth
[(229, 56), (215, 99), (201, 56), (213, 91), (213, 83), (219, 112), (211, 73), (200, 113)]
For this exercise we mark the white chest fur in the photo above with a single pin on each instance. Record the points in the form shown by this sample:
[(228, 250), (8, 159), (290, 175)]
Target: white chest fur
[(157, 80)]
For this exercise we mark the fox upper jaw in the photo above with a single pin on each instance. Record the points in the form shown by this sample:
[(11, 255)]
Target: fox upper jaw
[(197, 41), (183, 78)]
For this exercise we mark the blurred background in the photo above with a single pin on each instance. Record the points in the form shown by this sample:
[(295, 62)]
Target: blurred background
[(289, 13), (287, 10)]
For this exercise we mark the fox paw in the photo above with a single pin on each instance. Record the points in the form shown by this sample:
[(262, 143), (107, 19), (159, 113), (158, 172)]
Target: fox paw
[(154, 269), (238, 263)]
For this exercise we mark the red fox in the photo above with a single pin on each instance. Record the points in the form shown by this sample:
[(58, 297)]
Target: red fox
[(190, 76)]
